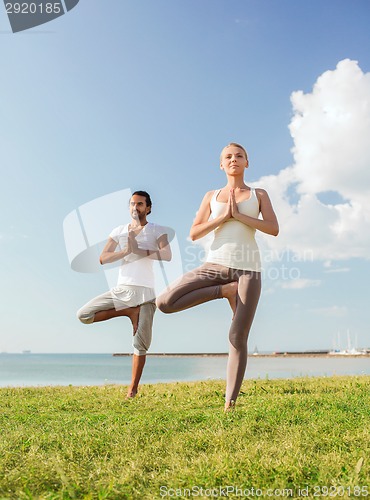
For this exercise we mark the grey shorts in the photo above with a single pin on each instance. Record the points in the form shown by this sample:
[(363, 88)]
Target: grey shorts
[(119, 298)]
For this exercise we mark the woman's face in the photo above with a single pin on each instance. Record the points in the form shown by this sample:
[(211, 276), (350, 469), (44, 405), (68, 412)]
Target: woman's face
[(233, 160)]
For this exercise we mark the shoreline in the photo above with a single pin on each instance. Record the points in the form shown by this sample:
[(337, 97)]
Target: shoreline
[(298, 354), (325, 354)]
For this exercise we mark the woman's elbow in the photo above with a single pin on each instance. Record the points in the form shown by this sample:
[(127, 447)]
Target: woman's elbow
[(194, 235), (275, 231), (194, 232)]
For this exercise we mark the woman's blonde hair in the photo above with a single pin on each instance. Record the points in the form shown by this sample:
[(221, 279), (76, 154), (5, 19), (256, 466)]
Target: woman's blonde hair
[(237, 146)]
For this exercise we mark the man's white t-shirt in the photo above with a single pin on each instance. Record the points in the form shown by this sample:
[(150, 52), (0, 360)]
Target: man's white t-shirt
[(136, 269)]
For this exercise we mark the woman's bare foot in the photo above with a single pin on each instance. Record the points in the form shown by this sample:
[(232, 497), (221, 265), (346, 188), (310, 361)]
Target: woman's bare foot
[(133, 313), (229, 406), (229, 292)]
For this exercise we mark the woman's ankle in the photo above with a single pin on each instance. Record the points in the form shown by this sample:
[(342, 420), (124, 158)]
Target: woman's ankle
[(229, 405)]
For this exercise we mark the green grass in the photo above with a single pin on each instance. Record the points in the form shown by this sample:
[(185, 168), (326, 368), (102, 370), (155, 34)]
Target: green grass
[(89, 442)]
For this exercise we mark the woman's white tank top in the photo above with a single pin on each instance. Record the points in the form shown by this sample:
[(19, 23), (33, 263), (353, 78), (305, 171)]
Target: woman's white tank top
[(234, 243)]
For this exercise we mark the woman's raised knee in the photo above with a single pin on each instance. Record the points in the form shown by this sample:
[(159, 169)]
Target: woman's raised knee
[(163, 305)]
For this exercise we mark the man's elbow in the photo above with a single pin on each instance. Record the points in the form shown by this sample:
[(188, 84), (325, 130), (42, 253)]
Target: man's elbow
[(168, 256)]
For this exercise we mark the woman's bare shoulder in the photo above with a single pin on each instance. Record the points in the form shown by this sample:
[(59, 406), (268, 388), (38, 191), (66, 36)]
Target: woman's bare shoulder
[(261, 193), (208, 195)]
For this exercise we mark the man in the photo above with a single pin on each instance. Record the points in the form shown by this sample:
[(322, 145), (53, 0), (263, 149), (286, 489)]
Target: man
[(136, 244)]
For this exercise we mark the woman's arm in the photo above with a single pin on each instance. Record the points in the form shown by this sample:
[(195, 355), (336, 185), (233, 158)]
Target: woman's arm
[(109, 255), (201, 225), (268, 224)]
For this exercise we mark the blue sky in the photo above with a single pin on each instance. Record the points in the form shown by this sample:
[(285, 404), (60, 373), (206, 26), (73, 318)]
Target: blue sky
[(144, 95)]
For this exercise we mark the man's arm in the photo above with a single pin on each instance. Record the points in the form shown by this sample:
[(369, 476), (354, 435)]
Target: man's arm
[(163, 253), (164, 250), (109, 254)]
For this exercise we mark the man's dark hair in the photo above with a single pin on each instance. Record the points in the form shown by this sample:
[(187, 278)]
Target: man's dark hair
[(148, 201)]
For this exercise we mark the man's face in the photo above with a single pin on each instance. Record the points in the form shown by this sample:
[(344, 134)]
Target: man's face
[(138, 207)]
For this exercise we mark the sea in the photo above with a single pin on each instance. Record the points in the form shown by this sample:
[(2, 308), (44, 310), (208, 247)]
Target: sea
[(37, 370)]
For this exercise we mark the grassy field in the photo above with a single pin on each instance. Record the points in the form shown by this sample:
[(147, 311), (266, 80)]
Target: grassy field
[(287, 438)]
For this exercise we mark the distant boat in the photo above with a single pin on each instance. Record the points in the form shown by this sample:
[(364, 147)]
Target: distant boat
[(347, 352), (350, 351), (26, 351)]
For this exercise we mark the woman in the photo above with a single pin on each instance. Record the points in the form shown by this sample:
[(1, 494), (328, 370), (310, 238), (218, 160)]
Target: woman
[(233, 268)]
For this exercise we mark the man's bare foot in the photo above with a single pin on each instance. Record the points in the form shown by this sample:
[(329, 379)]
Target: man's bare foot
[(229, 292), (229, 406), (131, 393), (133, 313)]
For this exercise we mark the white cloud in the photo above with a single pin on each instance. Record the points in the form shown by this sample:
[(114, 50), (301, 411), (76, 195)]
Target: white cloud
[(300, 283), (332, 311), (329, 267), (5, 237), (338, 270), (330, 128)]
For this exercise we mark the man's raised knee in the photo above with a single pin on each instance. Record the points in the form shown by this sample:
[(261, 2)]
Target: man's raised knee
[(84, 318)]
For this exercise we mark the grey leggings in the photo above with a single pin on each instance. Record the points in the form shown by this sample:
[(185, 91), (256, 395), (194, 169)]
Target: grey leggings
[(204, 284)]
